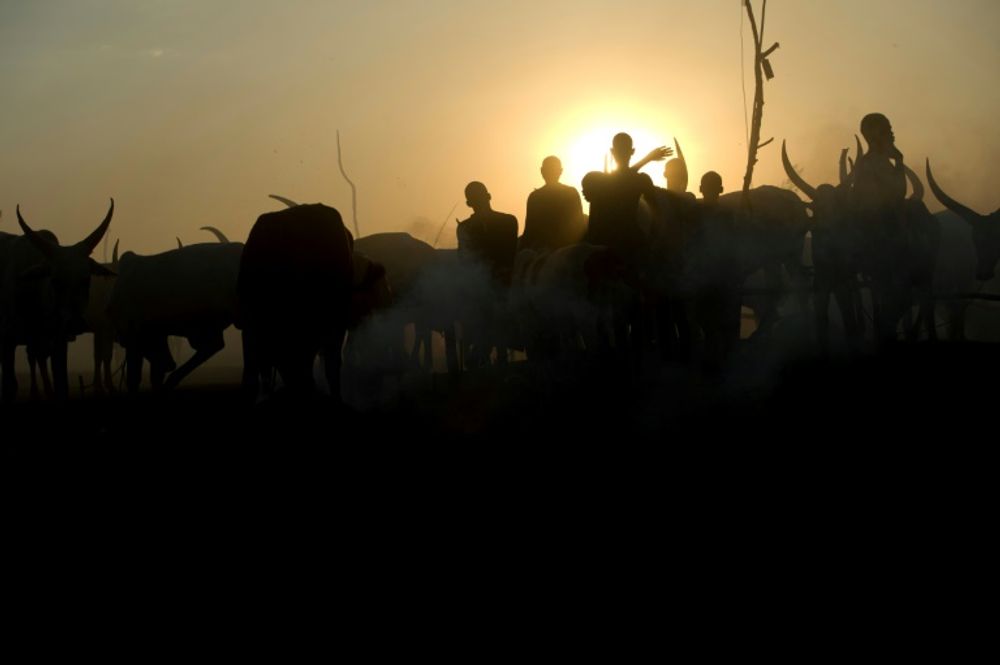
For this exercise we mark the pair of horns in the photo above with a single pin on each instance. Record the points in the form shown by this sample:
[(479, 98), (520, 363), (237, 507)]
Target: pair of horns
[(846, 175), (85, 246)]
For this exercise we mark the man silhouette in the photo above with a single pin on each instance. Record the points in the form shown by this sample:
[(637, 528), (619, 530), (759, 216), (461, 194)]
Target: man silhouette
[(879, 196), (554, 215), (614, 202), (490, 237)]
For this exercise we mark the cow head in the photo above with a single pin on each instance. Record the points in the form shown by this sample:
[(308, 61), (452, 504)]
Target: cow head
[(828, 203), (67, 270), (985, 230), (370, 290)]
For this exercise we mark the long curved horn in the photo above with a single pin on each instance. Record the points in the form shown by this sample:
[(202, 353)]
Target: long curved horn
[(88, 244), (180, 245), (216, 232), (968, 214), (844, 175), (114, 253), (918, 187), (288, 202), (796, 179), (40, 243), (861, 150)]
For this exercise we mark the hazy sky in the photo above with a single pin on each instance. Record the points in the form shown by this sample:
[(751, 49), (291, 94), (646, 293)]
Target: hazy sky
[(189, 112)]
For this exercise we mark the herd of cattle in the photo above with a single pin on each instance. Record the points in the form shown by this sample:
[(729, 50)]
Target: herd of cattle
[(300, 282)]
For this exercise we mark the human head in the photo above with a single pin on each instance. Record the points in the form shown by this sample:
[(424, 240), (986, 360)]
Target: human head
[(477, 196), (551, 169), (622, 150), (711, 186), (877, 130), (676, 173)]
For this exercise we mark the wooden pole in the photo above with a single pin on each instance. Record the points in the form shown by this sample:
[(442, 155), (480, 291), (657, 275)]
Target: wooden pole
[(761, 68)]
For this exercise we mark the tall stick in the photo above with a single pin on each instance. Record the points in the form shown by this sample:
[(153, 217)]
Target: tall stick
[(354, 190), (443, 224), (761, 68)]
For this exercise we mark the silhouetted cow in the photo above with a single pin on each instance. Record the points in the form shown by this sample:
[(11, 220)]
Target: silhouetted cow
[(44, 290), (295, 295)]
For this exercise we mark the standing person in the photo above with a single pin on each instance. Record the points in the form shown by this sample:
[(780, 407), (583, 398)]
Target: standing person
[(554, 216), (489, 237), (879, 196), (614, 207)]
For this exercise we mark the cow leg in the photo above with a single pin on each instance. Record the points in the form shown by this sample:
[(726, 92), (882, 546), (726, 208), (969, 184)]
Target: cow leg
[(133, 367), (43, 369), (7, 364), (823, 317), (98, 385), (929, 312), (204, 349), (333, 351), (451, 349), (33, 374), (103, 347), (60, 370), (250, 385), (849, 316)]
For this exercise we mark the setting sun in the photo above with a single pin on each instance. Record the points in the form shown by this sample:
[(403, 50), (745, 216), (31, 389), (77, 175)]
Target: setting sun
[(584, 142)]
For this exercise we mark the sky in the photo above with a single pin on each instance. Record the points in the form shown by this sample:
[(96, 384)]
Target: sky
[(190, 112)]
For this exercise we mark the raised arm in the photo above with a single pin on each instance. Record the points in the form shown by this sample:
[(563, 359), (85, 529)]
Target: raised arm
[(655, 155)]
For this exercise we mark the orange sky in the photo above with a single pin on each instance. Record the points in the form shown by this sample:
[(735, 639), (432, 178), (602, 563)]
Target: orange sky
[(190, 112)]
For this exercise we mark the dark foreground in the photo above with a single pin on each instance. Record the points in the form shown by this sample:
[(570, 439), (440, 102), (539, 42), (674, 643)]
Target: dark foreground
[(837, 458), (912, 395)]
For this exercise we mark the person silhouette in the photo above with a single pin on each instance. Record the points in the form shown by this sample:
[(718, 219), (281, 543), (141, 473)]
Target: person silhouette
[(879, 199), (711, 188), (554, 216), (614, 223), (614, 202), (489, 237)]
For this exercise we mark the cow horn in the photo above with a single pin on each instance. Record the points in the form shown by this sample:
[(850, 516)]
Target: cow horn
[(89, 243), (844, 175), (796, 179), (114, 253), (968, 214), (288, 202), (861, 150), (40, 243), (918, 187), (216, 232), (180, 245)]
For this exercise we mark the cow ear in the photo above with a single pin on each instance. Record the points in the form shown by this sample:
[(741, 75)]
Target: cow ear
[(37, 271), (98, 270)]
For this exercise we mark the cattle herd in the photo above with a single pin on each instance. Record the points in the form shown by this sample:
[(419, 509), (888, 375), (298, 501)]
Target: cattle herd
[(301, 285)]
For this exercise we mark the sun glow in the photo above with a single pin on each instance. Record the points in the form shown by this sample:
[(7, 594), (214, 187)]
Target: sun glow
[(584, 143)]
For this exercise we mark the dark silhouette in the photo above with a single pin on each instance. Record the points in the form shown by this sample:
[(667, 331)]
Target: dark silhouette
[(43, 294), (614, 222), (717, 300), (489, 237), (294, 290), (835, 244), (554, 216), (99, 323), (614, 202), (879, 194), (675, 172), (985, 229), (188, 292), (711, 188)]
